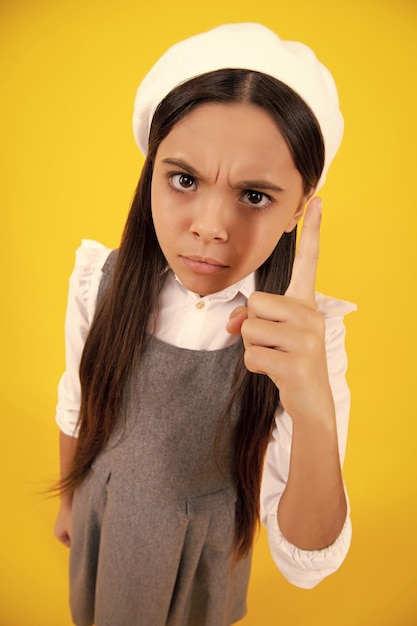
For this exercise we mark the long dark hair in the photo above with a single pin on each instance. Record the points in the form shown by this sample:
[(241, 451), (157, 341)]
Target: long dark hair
[(118, 332)]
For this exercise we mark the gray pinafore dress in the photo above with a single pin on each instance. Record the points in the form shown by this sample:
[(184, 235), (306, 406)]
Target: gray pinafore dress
[(154, 521)]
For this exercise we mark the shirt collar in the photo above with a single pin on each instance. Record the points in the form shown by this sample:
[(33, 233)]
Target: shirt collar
[(246, 287)]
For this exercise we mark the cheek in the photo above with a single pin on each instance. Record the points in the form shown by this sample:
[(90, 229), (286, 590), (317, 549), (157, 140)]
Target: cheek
[(160, 209), (265, 250), (169, 222), (270, 233), (267, 236), (259, 245), (158, 217), (156, 198)]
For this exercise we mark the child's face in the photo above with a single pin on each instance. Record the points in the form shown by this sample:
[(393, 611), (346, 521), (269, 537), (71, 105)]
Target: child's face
[(224, 189)]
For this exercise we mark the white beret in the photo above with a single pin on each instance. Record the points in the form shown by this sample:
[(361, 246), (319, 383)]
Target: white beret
[(243, 46)]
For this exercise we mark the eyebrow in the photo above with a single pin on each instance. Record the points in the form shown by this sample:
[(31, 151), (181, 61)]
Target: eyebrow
[(259, 184), (244, 184), (184, 166)]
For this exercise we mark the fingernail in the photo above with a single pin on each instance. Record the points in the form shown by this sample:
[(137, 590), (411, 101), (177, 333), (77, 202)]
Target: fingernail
[(236, 312)]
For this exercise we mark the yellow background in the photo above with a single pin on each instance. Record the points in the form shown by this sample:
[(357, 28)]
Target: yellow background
[(68, 170)]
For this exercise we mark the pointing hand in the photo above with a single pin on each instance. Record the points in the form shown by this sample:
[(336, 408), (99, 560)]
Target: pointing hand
[(284, 336)]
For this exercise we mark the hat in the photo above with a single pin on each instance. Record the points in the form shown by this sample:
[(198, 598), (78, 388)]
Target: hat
[(243, 46)]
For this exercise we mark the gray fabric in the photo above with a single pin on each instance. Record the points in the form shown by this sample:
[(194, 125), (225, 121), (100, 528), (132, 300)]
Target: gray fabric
[(153, 523)]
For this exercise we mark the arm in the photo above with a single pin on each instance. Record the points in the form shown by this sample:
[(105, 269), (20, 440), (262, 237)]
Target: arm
[(313, 508), (82, 295), (284, 338), (307, 568), (63, 525)]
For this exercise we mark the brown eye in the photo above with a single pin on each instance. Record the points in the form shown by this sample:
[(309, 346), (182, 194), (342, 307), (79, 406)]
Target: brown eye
[(183, 182), (186, 181), (256, 199)]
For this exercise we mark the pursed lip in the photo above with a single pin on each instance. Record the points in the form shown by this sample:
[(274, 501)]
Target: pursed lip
[(203, 265), (207, 260)]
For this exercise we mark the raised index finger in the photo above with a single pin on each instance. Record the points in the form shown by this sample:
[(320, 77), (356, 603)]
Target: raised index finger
[(303, 278)]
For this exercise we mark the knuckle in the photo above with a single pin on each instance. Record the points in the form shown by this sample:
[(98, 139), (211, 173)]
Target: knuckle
[(315, 321), (254, 359), (250, 358), (245, 330), (254, 300)]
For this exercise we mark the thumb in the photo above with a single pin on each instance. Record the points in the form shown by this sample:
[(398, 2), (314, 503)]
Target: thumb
[(236, 319)]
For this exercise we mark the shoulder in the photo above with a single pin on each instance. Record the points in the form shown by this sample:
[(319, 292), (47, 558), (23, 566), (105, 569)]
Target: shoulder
[(90, 259), (91, 256)]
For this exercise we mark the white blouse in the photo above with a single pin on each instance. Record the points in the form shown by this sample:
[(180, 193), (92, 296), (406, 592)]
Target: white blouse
[(189, 321)]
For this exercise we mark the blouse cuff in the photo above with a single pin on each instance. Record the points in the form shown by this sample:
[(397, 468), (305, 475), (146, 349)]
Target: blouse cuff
[(67, 422), (307, 568)]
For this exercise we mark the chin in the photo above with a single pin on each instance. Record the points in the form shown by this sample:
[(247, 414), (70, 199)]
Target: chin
[(202, 287)]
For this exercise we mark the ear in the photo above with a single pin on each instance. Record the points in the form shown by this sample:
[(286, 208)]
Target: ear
[(299, 212), (296, 217)]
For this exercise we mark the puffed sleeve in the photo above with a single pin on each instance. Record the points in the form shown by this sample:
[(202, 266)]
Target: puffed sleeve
[(305, 568), (82, 296)]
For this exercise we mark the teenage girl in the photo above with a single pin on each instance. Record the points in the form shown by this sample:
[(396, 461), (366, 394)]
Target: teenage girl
[(205, 382)]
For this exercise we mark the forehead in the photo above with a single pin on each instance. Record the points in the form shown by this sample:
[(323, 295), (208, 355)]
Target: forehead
[(236, 135), (247, 119)]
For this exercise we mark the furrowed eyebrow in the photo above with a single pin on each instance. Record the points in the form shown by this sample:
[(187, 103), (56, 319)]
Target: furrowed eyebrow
[(259, 184), (243, 185), (183, 166)]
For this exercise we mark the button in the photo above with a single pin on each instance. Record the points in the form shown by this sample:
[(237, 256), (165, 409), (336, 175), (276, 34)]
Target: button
[(200, 305)]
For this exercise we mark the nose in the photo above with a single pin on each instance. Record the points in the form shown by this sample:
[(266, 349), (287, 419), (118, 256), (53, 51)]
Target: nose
[(209, 222)]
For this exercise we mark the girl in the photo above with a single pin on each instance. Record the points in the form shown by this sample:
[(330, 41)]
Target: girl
[(211, 384)]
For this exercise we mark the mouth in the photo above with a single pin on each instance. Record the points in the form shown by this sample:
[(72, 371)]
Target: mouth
[(203, 265)]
